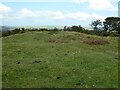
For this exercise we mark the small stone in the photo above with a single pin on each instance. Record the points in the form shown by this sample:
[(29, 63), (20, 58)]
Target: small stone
[(58, 77), (78, 83), (36, 61), (18, 62)]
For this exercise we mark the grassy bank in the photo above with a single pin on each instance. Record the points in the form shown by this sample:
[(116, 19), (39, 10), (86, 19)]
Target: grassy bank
[(59, 59)]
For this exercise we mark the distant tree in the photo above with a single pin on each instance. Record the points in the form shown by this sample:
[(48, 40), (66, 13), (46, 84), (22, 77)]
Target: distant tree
[(112, 24), (65, 28), (68, 29), (74, 28), (17, 30), (80, 27), (23, 29), (95, 24), (55, 29), (5, 33)]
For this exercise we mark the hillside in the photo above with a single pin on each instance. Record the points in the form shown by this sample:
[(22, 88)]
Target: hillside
[(59, 59)]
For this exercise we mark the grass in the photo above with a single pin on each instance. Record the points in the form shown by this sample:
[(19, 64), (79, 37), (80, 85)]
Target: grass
[(59, 60), (1, 63)]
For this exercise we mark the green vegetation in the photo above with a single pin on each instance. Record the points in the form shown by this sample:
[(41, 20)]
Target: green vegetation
[(96, 23), (59, 59), (73, 28), (112, 24)]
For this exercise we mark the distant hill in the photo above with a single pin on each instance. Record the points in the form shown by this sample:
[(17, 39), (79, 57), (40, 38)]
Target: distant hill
[(6, 28)]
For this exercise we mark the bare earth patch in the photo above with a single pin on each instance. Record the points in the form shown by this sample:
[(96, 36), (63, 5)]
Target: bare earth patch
[(96, 42)]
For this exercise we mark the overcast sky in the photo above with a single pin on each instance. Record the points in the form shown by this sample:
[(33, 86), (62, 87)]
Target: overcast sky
[(55, 12)]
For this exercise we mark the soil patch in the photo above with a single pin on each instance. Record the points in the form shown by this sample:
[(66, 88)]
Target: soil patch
[(96, 42)]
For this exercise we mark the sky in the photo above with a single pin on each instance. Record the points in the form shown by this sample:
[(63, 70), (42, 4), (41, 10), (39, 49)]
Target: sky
[(119, 9), (55, 12)]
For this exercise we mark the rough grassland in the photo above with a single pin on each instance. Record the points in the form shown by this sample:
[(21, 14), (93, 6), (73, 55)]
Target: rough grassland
[(59, 60)]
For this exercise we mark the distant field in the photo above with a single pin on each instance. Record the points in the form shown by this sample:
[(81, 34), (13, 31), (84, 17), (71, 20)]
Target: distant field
[(47, 27), (59, 60)]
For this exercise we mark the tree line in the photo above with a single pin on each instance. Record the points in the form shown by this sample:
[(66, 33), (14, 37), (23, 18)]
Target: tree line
[(110, 24), (110, 27)]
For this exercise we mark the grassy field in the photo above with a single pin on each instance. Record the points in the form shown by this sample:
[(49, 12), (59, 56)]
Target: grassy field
[(59, 60)]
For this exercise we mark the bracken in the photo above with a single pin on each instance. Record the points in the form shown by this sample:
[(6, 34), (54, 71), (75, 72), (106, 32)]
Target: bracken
[(96, 42)]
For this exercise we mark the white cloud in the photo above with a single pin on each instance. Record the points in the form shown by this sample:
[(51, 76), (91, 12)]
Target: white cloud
[(51, 14), (35, 16), (101, 5), (83, 16), (98, 4), (26, 13), (78, 1), (4, 8), (98, 16), (78, 16), (56, 15), (35, 1), (1, 16)]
